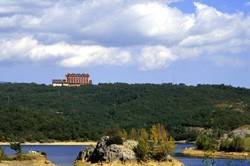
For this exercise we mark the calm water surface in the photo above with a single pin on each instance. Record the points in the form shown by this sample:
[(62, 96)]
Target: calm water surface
[(65, 156)]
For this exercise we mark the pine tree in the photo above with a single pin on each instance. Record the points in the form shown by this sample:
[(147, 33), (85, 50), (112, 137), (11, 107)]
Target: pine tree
[(142, 150), (133, 134), (154, 134), (143, 134), (123, 134)]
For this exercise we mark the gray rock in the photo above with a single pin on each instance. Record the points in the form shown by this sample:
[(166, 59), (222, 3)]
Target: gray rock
[(130, 144), (105, 151), (119, 152), (241, 132), (85, 154)]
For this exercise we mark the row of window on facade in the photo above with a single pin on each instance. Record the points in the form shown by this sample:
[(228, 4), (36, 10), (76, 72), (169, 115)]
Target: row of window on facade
[(72, 79)]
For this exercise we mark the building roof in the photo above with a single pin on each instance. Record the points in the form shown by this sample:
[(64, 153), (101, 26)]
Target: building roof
[(58, 81), (77, 75)]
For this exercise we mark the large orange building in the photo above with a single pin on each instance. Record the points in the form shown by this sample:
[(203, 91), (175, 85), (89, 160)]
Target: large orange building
[(72, 79)]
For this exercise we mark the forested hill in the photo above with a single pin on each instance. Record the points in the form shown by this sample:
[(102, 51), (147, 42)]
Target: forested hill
[(39, 112)]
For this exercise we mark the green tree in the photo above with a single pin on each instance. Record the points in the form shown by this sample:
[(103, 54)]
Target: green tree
[(237, 145), (225, 145), (142, 150), (143, 134), (133, 134), (123, 134), (206, 142), (154, 134), (162, 143), (170, 145)]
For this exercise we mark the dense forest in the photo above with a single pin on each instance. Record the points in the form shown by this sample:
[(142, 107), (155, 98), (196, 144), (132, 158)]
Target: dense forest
[(32, 112)]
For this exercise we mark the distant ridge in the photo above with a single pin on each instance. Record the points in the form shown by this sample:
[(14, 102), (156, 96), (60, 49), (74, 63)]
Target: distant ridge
[(33, 112)]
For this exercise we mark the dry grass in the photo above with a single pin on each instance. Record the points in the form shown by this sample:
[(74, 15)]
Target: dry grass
[(31, 160), (216, 154)]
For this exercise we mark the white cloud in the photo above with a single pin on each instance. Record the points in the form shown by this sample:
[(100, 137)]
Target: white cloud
[(117, 30), (64, 54), (156, 57)]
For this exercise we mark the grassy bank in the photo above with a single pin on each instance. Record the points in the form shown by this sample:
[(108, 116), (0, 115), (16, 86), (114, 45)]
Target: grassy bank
[(28, 160), (216, 154)]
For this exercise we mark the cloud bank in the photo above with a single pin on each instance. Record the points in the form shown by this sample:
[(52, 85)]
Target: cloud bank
[(151, 34)]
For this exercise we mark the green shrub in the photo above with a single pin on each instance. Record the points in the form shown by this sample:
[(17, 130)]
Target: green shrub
[(162, 143), (142, 150), (246, 144), (206, 142), (133, 134), (235, 144), (225, 145)]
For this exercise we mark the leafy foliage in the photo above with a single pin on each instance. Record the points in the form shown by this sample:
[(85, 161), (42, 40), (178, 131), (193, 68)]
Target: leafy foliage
[(142, 150), (156, 146), (206, 141), (235, 144), (32, 112), (133, 134), (162, 143)]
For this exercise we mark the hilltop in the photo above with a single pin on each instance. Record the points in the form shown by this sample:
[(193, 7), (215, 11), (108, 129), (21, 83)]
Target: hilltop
[(42, 113)]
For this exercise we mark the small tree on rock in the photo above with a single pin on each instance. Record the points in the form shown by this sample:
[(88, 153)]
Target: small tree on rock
[(133, 134), (142, 150)]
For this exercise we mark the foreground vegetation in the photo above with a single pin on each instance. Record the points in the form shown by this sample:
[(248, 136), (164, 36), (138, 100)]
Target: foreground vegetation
[(154, 144), (216, 154), (32, 112), (229, 144), (139, 147), (235, 145), (23, 159)]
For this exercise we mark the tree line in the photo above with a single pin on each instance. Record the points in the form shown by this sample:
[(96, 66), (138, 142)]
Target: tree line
[(32, 112)]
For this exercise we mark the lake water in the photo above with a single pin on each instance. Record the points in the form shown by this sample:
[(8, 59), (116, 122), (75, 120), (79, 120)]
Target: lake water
[(65, 156)]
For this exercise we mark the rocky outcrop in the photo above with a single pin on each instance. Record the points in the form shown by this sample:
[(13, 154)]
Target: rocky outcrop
[(242, 131), (107, 151), (85, 154)]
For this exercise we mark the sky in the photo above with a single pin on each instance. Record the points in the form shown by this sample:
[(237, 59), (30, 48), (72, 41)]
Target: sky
[(132, 41)]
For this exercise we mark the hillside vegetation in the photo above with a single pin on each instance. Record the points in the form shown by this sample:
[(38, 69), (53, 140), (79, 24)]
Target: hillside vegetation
[(32, 112)]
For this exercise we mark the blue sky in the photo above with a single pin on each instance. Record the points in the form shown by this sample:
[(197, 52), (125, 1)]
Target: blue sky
[(139, 41)]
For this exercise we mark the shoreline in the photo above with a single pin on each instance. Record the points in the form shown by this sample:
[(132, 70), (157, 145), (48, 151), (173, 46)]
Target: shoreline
[(190, 152), (70, 143)]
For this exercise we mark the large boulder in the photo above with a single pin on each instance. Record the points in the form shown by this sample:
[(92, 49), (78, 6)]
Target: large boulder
[(106, 150), (85, 154)]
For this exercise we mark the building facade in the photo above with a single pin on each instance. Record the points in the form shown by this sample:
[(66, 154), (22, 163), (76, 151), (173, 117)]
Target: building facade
[(72, 79)]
